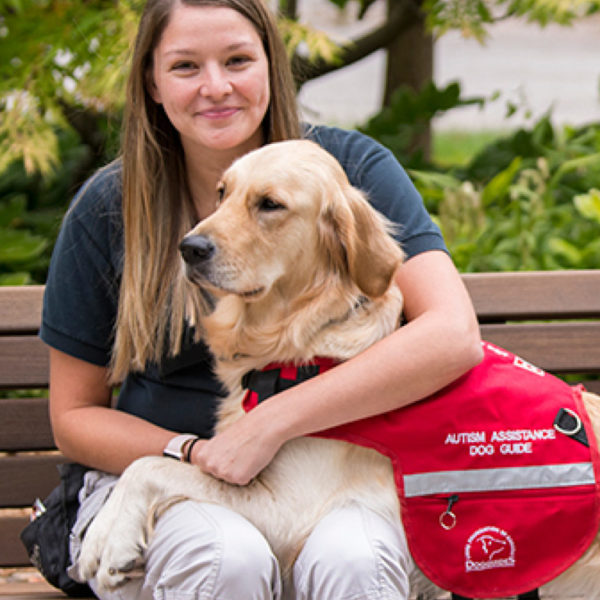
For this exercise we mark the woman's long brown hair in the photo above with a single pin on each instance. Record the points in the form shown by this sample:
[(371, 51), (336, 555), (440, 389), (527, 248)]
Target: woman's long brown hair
[(157, 206)]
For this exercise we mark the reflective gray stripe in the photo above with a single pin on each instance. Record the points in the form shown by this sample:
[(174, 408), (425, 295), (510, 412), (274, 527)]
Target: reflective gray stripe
[(487, 480)]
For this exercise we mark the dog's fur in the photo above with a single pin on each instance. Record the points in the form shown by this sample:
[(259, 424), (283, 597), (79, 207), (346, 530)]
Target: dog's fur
[(288, 256)]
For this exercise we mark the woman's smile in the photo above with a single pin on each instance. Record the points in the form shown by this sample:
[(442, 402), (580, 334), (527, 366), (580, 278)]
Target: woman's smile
[(218, 113)]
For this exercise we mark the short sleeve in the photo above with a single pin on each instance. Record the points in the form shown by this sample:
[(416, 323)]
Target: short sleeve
[(81, 295), (374, 170)]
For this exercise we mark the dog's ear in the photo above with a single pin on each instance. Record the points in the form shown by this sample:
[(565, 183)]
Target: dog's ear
[(358, 242)]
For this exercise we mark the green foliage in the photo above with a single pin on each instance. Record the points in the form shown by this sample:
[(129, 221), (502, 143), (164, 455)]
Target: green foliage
[(528, 201), (58, 58), (316, 43), (589, 204), (31, 208), (472, 17), (399, 125), (468, 16), (22, 249), (557, 11)]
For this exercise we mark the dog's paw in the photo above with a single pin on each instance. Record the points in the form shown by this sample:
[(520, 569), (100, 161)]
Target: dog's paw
[(92, 548), (112, 560), (113, 546), (114, 571)]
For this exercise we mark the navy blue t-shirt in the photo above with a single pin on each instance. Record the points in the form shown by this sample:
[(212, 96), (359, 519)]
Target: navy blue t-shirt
[(81, 297)]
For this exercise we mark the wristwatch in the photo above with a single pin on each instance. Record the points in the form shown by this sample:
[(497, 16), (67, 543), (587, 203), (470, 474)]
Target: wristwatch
[(177, 446)]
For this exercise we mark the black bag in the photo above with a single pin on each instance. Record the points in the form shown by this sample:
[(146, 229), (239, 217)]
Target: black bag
[(47, 537)]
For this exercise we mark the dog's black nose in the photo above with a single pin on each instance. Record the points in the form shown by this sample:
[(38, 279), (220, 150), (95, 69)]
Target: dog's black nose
[(196, 249)]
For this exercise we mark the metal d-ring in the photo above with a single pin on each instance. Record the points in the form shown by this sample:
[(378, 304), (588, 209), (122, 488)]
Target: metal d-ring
[(573, 431), (447, 520)]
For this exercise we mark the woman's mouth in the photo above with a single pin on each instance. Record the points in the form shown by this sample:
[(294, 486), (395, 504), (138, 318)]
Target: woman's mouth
[(219, 113)]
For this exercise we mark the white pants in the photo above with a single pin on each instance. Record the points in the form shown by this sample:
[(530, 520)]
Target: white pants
[(207, 552)]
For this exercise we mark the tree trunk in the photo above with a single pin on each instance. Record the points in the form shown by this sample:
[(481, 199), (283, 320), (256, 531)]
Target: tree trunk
[(410, 63), (401, 15), (288, 8)]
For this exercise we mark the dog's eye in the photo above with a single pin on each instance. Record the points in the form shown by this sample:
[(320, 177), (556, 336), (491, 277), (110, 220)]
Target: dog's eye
[(267, 204)]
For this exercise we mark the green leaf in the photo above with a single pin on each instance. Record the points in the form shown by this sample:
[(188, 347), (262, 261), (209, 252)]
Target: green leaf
[(566, 250), (12, 209), (588, 204), (499, 185), (432, 179), (20, 246)]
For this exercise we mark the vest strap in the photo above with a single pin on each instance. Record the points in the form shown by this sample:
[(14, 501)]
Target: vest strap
[(278, 377)]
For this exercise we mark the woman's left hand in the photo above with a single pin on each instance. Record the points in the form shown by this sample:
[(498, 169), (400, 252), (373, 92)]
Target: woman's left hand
[(237, 454)]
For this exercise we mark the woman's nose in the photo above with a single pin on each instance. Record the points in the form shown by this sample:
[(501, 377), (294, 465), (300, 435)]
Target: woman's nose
[(216, 83)]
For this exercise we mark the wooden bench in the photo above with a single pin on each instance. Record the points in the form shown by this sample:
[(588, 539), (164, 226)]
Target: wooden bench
[(551, 319)]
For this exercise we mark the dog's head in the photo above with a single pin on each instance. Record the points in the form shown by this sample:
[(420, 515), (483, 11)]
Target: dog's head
[(287, 217)]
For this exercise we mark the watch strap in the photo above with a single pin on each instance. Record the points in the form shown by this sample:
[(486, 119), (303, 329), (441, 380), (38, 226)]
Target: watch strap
[(176, 448)]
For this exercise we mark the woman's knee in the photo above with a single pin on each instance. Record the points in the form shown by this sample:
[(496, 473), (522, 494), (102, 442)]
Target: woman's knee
[(354, 553), (209, 552)]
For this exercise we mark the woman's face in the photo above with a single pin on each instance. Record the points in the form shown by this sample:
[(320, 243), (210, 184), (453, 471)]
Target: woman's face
[(211, 75)]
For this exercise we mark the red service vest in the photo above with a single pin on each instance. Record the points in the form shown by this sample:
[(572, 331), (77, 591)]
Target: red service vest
[(495, 500)]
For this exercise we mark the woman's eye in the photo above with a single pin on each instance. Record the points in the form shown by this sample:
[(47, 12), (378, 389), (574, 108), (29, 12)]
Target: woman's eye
[(183, 66), (238, 61)]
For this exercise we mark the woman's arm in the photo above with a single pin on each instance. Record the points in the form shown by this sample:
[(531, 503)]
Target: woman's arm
[(439, 343), (86, 429)]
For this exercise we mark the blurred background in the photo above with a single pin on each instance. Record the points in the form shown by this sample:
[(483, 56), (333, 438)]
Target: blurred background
[(539, 69)]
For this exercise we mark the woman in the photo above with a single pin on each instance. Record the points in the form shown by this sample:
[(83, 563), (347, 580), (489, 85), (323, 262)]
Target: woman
[(209, 82)]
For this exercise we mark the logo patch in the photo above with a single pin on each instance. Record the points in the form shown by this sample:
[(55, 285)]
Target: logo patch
[(489, 548)]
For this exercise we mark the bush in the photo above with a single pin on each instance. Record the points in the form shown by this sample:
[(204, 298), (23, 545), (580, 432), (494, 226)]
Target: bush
[(526, 201), (529, 201), (31, 209)]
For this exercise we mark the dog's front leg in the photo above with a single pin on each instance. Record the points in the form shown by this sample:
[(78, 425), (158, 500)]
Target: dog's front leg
[(114, 545)]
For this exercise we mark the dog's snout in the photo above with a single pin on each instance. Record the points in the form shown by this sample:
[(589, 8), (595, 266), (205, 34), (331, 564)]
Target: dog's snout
[(196, 249)]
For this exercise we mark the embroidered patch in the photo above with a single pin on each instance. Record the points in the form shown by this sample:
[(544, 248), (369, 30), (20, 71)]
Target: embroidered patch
[(489, 548)]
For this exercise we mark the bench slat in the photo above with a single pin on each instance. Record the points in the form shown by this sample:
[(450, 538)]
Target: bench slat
[(36, 590), (592, 386), (12, 551), (23, 478), (24, 362), (21, 307), (535, 295), (556, 347), (25, 424)]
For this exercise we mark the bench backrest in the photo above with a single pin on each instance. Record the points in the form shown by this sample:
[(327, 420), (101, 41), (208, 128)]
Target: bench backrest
[(551, 319)]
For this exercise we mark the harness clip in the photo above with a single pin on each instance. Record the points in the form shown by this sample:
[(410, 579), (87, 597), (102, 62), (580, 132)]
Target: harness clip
[(576, 424)]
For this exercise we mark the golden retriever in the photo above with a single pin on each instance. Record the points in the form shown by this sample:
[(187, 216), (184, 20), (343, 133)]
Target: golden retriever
[(300, 266)]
